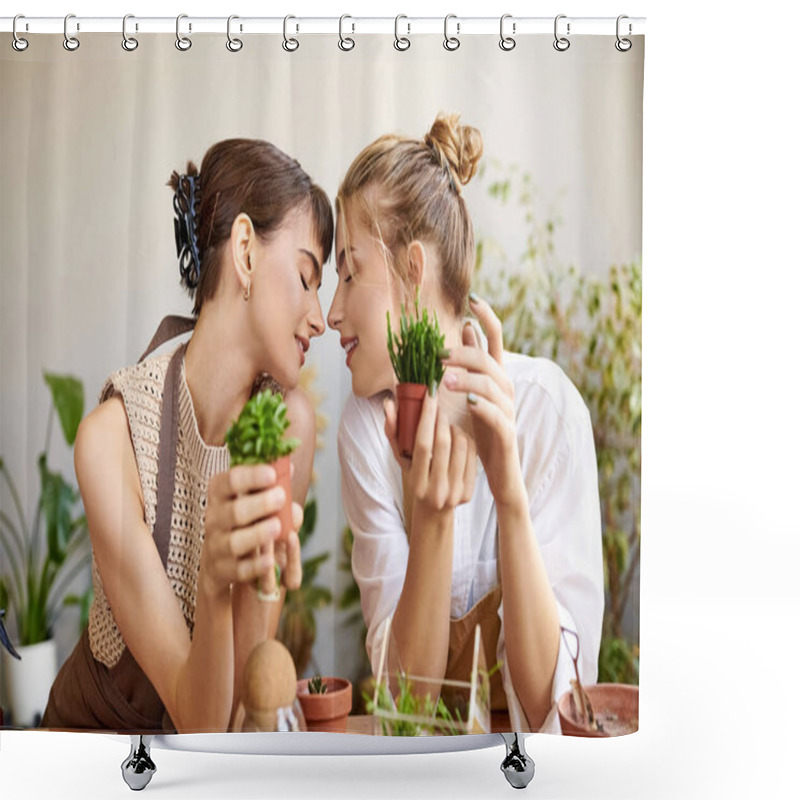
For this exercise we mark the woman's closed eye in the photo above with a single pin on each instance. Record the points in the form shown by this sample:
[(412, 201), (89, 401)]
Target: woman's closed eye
[(304, 282)]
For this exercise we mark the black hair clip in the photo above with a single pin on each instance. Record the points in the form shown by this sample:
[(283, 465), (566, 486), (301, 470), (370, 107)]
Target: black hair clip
[(185, 234)]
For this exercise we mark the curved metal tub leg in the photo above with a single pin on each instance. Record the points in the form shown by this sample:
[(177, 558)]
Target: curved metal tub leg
[(138, 768), (518, 766)]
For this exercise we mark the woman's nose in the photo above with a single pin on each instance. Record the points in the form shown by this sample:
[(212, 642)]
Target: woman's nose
[(316, 321), (335, 312)]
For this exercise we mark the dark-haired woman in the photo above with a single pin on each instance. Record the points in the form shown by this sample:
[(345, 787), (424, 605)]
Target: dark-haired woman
[(179, 539)]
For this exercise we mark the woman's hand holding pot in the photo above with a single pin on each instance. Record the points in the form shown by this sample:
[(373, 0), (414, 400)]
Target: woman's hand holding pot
[(241, 527)]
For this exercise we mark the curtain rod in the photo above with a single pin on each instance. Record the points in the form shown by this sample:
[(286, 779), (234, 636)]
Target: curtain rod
[(348, 25)]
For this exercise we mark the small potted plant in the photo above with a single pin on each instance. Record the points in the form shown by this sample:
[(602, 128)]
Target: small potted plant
[(326, 702), (257, 437), (603, 709), (416, 359)]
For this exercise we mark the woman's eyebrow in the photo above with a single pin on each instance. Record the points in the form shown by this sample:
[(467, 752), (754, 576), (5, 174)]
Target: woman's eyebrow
[(317, 270)]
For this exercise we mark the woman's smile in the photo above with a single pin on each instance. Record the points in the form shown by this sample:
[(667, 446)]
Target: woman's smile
[(349, 343)]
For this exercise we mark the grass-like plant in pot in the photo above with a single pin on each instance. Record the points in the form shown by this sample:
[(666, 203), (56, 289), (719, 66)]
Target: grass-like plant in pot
[(415, 355), (258, 437)]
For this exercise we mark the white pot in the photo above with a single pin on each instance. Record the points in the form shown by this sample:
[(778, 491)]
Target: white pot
[(28, 682)]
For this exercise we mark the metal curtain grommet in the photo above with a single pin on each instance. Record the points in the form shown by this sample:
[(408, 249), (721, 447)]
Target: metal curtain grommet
[(183, 43), (561, 43), (129, 43), (18, 43), (623, 45), (401, 42), (451, 42), (507, 42), (70, 42), (289, 44), (346, 43), (233, 44)]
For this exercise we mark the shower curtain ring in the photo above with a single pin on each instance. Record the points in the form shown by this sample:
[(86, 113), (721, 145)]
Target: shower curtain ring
[(561, 43), (507, 42), (233, 44), (18, 43), (129, 43), (401, 42), (183, 43), (623, 45), (451, 42), (289, 44), (70, 42), (346, 43)]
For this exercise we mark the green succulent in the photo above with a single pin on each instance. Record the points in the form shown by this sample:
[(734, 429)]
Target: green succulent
[(317, 685), (416, 352), (257, 436)]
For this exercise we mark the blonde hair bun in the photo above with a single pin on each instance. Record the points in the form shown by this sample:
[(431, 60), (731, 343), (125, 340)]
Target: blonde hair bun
[(458, 147)]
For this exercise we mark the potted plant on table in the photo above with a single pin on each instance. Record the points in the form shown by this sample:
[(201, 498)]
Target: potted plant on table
[(416, 359), (257, 437), (326, 702), (599, 710), (40, 561)]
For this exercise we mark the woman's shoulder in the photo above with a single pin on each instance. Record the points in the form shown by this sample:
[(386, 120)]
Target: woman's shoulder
[(541, 386), (145, 376)]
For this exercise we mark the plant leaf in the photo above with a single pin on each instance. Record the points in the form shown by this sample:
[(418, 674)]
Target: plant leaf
[(67, 395), (57, 500)]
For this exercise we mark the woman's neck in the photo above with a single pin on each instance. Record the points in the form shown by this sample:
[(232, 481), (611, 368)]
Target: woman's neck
[(218, 374)]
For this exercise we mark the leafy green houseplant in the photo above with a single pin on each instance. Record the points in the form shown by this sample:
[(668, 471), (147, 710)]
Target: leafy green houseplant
[(415, 356), (257, 437), (41, 559), (592, 327)]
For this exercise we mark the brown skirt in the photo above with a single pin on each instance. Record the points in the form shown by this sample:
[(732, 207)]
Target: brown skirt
[(87, 695)]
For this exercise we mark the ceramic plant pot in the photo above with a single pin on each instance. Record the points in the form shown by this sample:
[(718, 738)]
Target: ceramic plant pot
[(410, 397), (326, 712), (615, 705), (28, 682)]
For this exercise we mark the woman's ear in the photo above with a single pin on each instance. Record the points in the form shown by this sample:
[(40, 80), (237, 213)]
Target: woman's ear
[(243, 236), (417, 263)]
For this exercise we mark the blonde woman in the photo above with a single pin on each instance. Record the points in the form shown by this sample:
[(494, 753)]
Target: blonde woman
[(495, 519), (178, 538)]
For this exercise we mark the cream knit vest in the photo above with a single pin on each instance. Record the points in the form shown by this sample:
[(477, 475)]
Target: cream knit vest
[(141, 388)]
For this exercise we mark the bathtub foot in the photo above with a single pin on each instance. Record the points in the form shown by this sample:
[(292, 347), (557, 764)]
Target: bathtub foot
[(518, 766), (138, 768)]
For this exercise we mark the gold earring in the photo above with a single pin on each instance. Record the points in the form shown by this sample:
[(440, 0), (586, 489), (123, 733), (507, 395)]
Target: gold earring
[(247, 291)]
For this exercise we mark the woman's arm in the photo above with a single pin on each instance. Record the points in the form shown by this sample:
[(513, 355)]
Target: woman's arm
[(254, 621), (193, 677), (531, 639), (441, 476)]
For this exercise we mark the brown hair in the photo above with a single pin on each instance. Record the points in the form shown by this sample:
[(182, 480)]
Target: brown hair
[(254, 177), (408, 189)]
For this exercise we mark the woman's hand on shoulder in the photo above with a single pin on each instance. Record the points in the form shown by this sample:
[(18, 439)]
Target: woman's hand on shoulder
[(490, 400)]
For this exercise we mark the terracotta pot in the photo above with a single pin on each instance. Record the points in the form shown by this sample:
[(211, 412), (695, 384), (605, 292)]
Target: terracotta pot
[(410, 397), (615, 705), (326, 712)]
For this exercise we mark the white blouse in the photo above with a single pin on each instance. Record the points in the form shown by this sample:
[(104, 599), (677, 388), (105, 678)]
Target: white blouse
[(559, 467)]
